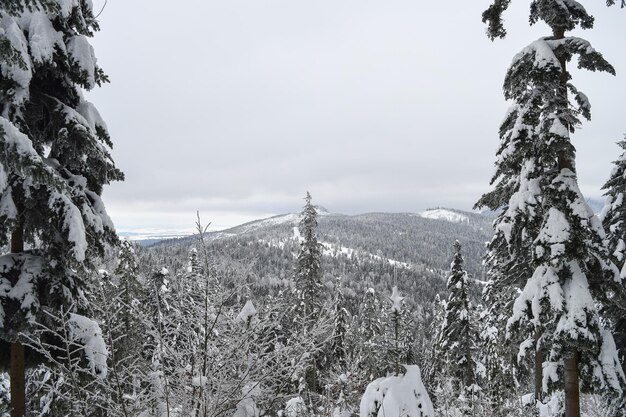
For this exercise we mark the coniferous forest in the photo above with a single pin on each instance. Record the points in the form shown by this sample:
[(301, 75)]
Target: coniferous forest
[(517, 311)]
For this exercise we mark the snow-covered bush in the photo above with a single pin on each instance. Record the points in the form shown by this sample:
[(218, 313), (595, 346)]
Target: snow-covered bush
[(396, 396)]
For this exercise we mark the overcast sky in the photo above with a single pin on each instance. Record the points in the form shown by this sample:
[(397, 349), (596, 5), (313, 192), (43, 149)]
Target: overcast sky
[(236, 108)]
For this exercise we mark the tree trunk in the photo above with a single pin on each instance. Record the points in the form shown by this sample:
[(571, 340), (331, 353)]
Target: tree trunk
[(18, 386), (572, 400), (572, 391), (564, 160), (18, 363), (538, 369)]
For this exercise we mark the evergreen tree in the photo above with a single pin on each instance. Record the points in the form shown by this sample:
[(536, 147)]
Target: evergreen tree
[(341, 321), (370, 332), (308, 287), (54, 162), (432, 360), (457, 335), (397, 342), (130, 292), (548, 241), (308, 274), (614, 221)]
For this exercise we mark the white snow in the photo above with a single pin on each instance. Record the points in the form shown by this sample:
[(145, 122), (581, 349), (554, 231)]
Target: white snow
[(199, 381), (397, 396), (294, 407), (247, 313), (82, 53), (555, 232), (72, 223), (541, 51), (610, 363), (290, 218), (543, 284), (16, 141), (66, 6), (550, 374), (7, 205), (91, 115), (443, 214), (22, 76), (524, 200), (579, 307), (87, 332), (31, 268), (43, 38), (557, 128), (246, 407), (396, 300)]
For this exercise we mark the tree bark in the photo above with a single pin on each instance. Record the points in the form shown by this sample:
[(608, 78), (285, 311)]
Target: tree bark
[(572, 394), (18, 362), (538, 369)]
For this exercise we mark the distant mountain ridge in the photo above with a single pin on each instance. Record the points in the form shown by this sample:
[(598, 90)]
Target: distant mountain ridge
[(368, 250)]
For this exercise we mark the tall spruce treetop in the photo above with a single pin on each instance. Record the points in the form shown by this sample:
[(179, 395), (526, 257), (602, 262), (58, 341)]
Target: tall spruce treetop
[(457, 334), (547, 240), (54, 160), (308, 274)]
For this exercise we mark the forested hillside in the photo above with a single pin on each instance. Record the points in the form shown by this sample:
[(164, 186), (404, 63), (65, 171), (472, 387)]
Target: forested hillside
[(368, 250)]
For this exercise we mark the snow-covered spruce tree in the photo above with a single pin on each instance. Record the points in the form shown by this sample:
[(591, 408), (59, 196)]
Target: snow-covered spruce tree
[(495, 369), (400, 332), (456, 338), (370, 332), (54, 162), (308, 273), (430, 365), (129, 294), (545, 221), (120, 307), (614, 220), (341, 321), (157, 347), (125, 363), (613, 214), (309, 290)]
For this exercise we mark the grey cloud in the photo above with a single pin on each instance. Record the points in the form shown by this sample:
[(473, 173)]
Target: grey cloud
[(239, 107)]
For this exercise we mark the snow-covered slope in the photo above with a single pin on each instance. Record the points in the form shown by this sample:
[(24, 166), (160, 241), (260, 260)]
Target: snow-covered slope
[(415, 241), (372, 250), (445, 214)]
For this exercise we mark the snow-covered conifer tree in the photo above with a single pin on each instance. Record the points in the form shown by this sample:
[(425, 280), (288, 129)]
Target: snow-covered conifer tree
[(54, 162), (308, 274), (614, 220), (396, 322), (130, 292), (308, 283), (455, 342), (431, 364), (341, 319), (547, 240), (370, 332)]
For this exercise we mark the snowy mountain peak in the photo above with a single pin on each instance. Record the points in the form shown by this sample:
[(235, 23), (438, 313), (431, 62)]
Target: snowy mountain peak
[(445, 214)]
